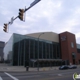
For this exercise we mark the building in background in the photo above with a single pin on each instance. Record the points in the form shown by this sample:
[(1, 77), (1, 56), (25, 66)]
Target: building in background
[(42, 49), (2, 44)]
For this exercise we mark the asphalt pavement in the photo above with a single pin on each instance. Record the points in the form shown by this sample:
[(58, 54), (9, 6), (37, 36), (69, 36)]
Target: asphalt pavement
[(41, 75), (46, 73)]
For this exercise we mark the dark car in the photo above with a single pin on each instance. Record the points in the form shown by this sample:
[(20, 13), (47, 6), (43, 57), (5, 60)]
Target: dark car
[(63, 67), (72, 67)]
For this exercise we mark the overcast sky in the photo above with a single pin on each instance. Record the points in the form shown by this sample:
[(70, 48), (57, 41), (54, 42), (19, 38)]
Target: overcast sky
[(48, 15)]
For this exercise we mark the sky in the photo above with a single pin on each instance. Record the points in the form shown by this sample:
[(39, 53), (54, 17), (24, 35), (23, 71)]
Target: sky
[(46, 16)]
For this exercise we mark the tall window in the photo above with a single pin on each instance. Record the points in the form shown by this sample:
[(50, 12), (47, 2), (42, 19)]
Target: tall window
[(72, 45)]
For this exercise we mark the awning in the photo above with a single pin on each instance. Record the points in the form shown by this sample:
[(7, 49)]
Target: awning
[(35, 60)]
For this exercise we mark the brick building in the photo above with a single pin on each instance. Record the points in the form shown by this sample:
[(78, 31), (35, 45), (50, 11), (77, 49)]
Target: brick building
[(69, 47)]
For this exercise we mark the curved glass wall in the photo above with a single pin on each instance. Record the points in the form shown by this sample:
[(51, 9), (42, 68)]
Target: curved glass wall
[(28, 51), (8, 51)]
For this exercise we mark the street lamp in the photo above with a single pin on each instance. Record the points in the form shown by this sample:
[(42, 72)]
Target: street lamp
[(38, 50)]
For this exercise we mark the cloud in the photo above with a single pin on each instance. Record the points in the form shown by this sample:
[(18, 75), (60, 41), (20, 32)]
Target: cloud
[(47, 15)]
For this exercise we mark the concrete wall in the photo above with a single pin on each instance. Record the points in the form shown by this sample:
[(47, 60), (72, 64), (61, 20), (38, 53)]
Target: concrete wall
[(46, 36)]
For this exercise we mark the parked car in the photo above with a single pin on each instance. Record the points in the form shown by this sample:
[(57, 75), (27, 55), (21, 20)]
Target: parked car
[(63, 67), (72, 67)]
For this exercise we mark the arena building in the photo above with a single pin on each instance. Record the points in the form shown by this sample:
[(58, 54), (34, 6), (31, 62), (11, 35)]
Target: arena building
[(42, 49)]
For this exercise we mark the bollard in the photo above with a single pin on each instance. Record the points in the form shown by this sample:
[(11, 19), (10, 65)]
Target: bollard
[(43, 69), (27, 68)]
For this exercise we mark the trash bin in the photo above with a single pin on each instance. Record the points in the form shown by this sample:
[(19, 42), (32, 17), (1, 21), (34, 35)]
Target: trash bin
[(27, 68)]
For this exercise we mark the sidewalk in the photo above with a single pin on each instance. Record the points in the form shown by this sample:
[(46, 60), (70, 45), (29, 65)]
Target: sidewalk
[(23, 69), (7, 68)]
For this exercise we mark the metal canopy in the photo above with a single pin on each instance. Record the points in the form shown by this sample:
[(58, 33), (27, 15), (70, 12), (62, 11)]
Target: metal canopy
[(35, 60)]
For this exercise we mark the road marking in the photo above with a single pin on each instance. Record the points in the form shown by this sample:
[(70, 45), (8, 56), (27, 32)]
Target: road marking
[(34, 76), (29, 76), (59, 74), (55, 74), (1, 78), (57, 77), (11, 76)]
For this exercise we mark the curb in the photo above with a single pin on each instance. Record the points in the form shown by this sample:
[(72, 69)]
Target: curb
[(42, 70)]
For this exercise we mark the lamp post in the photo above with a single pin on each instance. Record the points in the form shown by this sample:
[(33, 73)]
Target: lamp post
[(38, 50)]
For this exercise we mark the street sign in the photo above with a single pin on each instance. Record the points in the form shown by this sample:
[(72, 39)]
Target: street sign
[(36, 1), (32, 4)]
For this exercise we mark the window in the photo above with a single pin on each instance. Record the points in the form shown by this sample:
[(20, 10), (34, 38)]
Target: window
[(63, 38), (73, 55), (72, 45), (78, 50)]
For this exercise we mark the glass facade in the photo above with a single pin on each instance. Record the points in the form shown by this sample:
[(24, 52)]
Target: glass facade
[(29, 51), (1, 50), (8, 51)]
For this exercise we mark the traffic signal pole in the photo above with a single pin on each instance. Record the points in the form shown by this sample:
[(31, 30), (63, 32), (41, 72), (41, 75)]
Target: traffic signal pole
[(26, 9), (31, 5)]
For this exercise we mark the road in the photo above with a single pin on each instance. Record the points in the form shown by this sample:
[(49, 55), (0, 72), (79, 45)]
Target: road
[(42, 75)]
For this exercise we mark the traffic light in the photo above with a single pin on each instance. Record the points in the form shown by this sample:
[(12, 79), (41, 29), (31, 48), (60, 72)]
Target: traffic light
[(21, 14), (5, 27)]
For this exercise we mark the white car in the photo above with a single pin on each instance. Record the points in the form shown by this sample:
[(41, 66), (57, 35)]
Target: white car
[(72, 67)]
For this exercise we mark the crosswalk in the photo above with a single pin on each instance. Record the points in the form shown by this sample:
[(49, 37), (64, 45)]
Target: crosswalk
[(14, 78), (27, 76), (8, 76), (1, 78)]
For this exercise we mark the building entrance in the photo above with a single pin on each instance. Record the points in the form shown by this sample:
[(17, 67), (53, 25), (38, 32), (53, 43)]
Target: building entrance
[(73, 61)]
